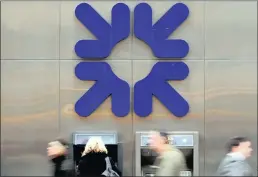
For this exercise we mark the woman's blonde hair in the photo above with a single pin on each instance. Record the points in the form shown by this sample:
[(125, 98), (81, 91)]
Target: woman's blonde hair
[(95, 144)]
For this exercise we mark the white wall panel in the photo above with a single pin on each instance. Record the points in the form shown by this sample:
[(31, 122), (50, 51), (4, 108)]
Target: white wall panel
[(29, 30), (231, 30)]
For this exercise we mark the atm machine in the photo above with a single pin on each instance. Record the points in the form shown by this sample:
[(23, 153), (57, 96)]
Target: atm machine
[(187, 142), (109, 138)]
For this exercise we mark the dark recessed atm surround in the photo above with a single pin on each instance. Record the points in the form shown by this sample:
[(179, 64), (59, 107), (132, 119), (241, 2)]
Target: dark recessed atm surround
[(145, 158), (79, 140)]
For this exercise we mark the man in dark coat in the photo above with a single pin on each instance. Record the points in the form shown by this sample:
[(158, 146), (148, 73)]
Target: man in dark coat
[(58, 152)]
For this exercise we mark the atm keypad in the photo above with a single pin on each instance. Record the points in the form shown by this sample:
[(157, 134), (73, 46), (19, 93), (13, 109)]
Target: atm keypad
[(146, 152)]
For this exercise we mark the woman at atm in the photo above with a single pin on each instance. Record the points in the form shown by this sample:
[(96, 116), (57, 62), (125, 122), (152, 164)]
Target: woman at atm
[(95, 160)]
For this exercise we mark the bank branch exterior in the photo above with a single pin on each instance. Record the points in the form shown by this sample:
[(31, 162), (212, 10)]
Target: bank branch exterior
[(118, 70)]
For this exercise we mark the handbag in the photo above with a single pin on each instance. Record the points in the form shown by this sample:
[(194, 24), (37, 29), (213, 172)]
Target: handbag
[(109, 171)]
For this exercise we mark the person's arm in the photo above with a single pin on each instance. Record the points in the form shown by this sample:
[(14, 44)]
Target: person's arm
[(170, 165)]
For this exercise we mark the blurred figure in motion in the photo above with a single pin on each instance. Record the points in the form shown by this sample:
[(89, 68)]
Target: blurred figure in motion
[(235, 164), (171, 160), (95, 161), (57, 152)]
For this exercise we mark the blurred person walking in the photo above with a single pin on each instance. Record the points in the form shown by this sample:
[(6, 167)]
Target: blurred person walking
[(58, 153), (171, 160), (235, 163)]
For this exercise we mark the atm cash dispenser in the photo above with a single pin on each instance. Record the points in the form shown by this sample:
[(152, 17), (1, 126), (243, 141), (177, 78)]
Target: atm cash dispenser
[(187, 142), (109, 138)]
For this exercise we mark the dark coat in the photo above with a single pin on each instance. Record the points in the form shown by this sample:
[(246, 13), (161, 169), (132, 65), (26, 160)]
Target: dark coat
[(62, 167), (57, 166), (94, 164)]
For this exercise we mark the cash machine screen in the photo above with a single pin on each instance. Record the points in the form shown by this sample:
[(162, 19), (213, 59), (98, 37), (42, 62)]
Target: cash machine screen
[(82, 138), (176, 140)]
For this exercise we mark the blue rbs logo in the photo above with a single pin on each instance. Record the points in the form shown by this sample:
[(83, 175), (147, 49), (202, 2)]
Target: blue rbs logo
[(155, 83)]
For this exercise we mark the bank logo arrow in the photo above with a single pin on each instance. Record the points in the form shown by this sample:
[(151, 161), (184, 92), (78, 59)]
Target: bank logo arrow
[(107, 84), (107, 35), (155, 84), (156, 36)]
